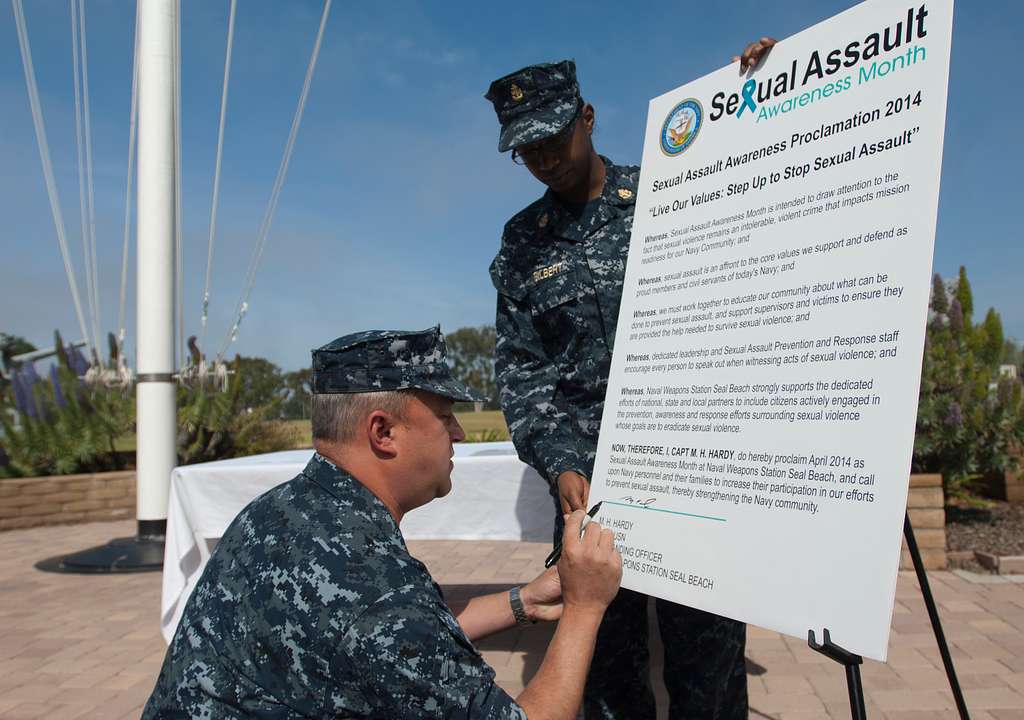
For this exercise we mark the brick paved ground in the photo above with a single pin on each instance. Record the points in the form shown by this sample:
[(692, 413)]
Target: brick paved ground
[(74, 646)]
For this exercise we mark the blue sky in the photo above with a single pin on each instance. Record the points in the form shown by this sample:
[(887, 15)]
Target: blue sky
[(396, 194)]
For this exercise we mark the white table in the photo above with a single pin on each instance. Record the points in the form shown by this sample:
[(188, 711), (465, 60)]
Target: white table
[(494, 496)]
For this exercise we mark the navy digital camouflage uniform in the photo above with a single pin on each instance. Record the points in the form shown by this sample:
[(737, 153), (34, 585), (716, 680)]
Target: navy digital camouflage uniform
[(559, 276), (311, 605)]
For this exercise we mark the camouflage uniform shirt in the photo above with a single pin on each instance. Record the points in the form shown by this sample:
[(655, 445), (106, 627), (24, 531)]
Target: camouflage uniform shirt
[(312, 607), (559, 277)]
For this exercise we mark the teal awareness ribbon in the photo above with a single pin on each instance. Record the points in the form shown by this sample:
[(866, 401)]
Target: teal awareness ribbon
[(748, 97)]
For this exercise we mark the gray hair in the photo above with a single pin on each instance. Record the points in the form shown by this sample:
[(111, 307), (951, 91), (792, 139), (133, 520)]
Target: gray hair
[(336, 416)]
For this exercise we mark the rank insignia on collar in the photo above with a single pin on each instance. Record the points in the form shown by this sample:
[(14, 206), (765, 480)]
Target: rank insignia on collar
[(515, 92), (543, 222), (625, 193)]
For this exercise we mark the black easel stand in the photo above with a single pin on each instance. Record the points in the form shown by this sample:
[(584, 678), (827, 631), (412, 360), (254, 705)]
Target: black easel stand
[(933, 615), (852, 664)]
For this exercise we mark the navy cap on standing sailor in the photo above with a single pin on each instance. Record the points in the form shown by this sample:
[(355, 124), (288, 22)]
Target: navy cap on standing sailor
[(559, 276)]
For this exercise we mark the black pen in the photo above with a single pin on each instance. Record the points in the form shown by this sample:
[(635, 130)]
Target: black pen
[(557, 552)]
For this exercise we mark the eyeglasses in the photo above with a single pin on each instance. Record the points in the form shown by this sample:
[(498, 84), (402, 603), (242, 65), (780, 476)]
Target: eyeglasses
[(554, 145)]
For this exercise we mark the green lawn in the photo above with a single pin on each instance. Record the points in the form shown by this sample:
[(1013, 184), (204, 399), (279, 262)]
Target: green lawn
[(487, 425), (302, 436), (125, 443), (299, 430)]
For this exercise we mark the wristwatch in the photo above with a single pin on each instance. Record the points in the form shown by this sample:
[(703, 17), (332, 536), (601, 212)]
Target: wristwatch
[(518, 610)]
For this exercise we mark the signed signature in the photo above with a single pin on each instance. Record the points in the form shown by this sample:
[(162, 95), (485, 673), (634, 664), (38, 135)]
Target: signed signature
[(629, 499)]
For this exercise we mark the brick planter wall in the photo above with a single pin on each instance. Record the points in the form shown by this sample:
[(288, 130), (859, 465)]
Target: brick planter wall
[(63, 499), (926, 505), (1014, 487), (1007, 485), (1013, 482)]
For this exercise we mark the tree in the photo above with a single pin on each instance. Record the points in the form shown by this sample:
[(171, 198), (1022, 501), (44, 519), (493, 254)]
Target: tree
[(298, 400), (11, 345), (260, 380), (471, 356), (1013, 354), (940, 301), (990, 344), (963, 294)]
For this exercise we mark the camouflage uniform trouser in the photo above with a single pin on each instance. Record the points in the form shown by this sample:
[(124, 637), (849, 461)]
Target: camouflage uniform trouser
[(705, 668)]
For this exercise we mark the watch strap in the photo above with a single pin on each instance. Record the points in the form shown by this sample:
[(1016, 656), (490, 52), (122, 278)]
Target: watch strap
[(518, 609)]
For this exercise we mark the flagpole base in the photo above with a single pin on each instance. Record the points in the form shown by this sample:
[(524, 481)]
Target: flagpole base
[(142, 553)]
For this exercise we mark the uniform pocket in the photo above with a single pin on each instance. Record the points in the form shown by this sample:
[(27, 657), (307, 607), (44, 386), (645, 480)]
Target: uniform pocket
[(552, 293), (564, 316)]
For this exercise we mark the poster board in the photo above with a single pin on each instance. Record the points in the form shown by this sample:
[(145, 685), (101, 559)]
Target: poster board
[(759, 422)]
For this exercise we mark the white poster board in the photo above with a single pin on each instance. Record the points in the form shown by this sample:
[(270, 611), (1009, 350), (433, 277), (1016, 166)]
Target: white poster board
[(759, 422)]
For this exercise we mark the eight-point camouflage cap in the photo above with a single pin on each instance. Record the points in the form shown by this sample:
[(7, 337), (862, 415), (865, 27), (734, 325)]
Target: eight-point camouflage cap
[(377, 360), (534, 103)]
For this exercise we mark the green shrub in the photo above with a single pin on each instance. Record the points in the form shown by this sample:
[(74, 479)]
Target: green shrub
[(71, 427), (969, 417), (63, 425), (215, 424)]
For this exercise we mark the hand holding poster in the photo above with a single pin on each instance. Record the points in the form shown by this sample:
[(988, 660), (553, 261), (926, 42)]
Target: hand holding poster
[(759, 421)]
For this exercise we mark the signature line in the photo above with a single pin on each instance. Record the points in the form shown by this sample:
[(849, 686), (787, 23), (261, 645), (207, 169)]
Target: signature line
[(671, 512)]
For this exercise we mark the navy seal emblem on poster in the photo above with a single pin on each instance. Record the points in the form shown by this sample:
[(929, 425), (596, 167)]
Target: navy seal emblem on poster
[(681, 127)]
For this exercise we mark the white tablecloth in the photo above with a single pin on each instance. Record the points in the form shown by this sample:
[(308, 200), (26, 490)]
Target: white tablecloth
[(494, 496)]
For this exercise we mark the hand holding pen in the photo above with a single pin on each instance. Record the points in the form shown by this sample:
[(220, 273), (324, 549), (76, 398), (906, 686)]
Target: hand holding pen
[(590, 568), (557, 552)]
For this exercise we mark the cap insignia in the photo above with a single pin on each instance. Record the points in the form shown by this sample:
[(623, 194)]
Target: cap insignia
[(516, 92), (543, 222), (625, 193)]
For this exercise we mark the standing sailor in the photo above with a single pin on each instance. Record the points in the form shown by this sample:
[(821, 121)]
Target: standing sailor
[(559, 276)]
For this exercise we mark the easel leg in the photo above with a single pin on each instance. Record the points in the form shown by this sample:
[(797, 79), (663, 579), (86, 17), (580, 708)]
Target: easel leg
[(856, 690), (933, 614), (852, 664)]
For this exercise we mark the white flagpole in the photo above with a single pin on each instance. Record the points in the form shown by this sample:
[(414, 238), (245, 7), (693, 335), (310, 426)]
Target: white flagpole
[(156, 388)]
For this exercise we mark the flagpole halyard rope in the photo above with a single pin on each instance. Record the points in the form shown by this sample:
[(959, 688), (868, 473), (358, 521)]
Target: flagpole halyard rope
[(275, 193), (44, 157)]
